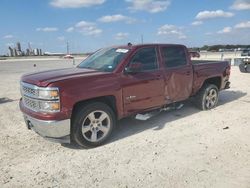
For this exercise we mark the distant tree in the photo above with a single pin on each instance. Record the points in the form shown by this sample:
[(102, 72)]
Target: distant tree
[(219, 46)]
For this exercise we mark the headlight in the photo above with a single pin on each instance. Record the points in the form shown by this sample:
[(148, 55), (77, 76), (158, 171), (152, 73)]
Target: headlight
[(49, 106), (48, 93)]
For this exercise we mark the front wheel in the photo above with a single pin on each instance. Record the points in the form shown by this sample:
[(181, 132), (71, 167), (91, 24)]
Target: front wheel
[(93, 124), (207, 98)]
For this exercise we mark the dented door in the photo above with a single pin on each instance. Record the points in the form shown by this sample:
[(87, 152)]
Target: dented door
[(178, 73)]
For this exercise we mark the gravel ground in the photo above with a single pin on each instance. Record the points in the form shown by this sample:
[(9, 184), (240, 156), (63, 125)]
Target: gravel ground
[(183, 148)]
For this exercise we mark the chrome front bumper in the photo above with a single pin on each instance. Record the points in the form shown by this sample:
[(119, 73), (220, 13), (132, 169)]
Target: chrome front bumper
[(57, 131)]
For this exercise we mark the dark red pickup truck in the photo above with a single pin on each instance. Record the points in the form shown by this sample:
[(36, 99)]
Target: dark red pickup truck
[(83, 104)]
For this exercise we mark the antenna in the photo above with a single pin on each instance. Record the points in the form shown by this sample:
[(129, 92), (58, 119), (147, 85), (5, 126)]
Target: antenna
[(142, 39)]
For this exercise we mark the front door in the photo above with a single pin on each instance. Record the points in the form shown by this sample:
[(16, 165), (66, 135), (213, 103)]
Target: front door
[(144, 89)]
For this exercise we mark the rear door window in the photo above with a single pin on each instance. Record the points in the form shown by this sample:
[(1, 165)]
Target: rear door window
[(173, 56)]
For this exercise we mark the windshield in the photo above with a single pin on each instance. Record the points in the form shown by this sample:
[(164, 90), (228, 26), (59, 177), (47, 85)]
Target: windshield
[(105, 59)]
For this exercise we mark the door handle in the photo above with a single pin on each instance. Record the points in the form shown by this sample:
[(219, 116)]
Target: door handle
[(130, 97)]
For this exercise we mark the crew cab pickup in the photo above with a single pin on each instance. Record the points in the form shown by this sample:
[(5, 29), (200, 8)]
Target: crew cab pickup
[(83, 104)]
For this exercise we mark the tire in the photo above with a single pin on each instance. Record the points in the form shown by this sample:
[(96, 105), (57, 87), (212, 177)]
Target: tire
[(207, 97), (93, 124), (245, 68)]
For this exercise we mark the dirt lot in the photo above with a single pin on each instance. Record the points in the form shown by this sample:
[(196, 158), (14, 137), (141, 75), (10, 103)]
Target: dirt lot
[(184, 148)]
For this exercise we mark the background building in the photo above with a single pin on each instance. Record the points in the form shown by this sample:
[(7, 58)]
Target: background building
[(11, 52), (18, 46), (17, 51)]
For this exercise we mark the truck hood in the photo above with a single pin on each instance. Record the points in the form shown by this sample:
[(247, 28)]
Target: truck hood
[(44, 78)]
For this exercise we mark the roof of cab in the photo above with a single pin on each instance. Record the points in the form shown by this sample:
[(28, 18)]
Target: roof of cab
[(146, 45)]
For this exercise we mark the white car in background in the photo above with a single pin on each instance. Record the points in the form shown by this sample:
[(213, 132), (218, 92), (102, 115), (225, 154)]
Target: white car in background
[(68, 56)]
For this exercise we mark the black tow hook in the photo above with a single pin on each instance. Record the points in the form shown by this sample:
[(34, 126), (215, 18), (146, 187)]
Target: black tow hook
[(227, 86), (29, 124)]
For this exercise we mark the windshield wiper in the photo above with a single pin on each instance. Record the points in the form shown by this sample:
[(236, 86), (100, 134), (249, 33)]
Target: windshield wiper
[(88, 68)]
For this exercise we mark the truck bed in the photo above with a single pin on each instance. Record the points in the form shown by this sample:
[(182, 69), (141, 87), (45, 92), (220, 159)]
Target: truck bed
[(210, 67), (205, 68)]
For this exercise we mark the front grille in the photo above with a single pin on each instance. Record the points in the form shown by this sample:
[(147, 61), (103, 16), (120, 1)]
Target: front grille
[(31, 103), (29, 90), (29, 95)]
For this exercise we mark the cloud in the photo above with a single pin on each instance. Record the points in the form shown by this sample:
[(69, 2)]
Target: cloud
[(241, 5), (9, 44), (116, 18), (75, 3), (171, 30), (8, 37), (121, 36), (70, 29), (225, 30), (152, 6), (61, 38), (208, 33), (195, 23), (87, 28), (47, 29), (243, 25), (213, 14), (83, 24)]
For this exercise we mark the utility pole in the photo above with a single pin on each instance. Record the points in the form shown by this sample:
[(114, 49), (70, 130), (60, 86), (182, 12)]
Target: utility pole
[(142, 39), (67, 47)]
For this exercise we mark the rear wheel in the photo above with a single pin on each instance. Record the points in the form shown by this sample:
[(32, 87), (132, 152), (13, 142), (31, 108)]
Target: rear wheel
[(207, 98), (93, 124)]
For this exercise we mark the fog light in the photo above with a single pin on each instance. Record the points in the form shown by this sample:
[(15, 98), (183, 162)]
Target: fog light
[(55, 106)]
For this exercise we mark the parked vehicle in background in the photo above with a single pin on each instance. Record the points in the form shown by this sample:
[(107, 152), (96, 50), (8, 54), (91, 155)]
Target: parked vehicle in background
[(68, 56), (83, 104), (245, 65), (194, 54), (245, 52)]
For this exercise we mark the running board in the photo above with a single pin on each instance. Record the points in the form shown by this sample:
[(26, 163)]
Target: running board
[(146, 116)]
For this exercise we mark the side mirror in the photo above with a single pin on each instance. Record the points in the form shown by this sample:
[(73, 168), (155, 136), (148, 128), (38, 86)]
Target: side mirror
[(134, 67)]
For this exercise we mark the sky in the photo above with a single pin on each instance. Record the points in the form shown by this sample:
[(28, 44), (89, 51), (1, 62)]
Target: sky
[(92, 24)]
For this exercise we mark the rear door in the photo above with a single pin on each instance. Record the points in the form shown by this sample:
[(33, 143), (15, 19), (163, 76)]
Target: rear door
[(145, 89), (178, 73)]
